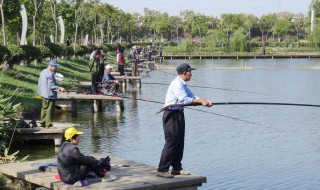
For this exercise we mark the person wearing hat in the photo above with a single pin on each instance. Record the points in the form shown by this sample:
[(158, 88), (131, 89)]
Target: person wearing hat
[(109, 83), (174, 123), (47, 88), (73, 166)]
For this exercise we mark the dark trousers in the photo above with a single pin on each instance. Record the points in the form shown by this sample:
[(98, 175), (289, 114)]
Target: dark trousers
[(121, 69), (110, 88), (81, 174), (94, 82), (47, 112), (174, 130), (101, 71)]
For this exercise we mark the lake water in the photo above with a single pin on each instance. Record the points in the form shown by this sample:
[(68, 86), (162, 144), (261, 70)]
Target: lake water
[(283, 152)]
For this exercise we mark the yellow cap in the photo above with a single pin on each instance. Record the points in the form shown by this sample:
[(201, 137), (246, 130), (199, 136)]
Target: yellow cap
[(70, 132)]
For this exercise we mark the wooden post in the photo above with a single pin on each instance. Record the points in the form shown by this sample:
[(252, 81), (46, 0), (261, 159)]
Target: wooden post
[(74, 106), (97, 105), (57, 142), (138, 83), (120, 106)]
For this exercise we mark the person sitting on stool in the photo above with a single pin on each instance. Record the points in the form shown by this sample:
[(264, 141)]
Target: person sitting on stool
[(109, 83), (73, 166)]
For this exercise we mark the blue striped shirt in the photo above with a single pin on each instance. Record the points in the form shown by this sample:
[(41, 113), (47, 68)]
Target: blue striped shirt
[(47, 87), (179, 93)]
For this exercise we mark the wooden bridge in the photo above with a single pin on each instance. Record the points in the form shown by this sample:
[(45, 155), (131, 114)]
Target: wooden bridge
[(71, 100), (137, 176), (53, 133)]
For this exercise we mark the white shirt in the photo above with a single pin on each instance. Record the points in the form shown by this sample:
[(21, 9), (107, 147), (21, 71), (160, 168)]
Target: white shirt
[(179, 93)]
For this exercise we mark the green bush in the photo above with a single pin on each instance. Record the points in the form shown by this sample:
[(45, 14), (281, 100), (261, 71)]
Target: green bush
[(4, 53), (44, 52), (67, 51), (17, 54), (31, 53), (55, 49), (79, 51)]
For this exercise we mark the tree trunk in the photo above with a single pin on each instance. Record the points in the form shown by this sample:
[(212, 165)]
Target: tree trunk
[(34, 28), (53, 10), (94, 28), (3, 24), (75, 41)]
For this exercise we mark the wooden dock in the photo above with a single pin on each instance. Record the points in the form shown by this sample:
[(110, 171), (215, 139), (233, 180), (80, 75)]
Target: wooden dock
[(71, 99), (137, 176), (55, 133), (122, 79)]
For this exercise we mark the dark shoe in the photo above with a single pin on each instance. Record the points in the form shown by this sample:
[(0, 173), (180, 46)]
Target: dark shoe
[(49, 126), (42, 125), (180, 172), (164, 174)]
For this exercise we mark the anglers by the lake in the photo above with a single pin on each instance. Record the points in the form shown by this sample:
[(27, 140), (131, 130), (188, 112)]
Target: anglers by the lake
[(73, 166), (94, 69), (121, 62), (47, 88), (174, 123), (109, 83)]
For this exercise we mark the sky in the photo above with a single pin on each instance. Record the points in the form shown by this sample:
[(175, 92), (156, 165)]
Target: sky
[(213, 7)]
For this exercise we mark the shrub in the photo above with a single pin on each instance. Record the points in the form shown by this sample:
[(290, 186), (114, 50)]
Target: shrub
[(44, 52), (31, 53), (79, 51), (67, 51), (4, 53), (55, 50), (17, 54)]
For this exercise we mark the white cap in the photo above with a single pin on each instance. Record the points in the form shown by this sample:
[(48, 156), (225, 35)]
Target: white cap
[(108, 67)]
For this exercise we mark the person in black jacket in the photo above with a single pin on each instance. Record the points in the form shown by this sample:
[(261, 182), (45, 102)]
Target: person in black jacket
[(73, 166)]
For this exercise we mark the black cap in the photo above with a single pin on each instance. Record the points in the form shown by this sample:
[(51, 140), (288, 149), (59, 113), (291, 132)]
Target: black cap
[(184, 67)]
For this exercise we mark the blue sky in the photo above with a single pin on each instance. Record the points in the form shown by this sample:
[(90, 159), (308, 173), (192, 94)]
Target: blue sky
[(214, 7)]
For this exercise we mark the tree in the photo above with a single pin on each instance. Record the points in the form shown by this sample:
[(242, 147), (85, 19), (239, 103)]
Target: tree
[(238, 41), (187, 16), (250, 22), (9, 9), (150, 17), (37, 5), (53, 4), (176, 23), (232, 22), (299, 23), (282, 27), (266, 23), (163, 24)]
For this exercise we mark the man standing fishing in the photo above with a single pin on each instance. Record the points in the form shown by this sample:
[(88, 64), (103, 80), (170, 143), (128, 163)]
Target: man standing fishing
[(47, 88), (174, 123)]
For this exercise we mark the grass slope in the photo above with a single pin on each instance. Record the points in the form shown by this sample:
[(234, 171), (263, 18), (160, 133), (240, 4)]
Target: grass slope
[(22, 81)]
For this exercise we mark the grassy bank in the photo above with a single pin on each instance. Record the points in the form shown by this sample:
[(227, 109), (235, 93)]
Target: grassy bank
[(22, 81)]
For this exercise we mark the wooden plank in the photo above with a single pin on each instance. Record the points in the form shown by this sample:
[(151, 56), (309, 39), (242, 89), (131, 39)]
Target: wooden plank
[(54, 133), (128, 77), (75, 96), (137, 176)]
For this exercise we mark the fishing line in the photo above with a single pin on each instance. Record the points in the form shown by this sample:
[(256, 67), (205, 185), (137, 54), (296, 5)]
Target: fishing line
[(208, 87), (243, 91)]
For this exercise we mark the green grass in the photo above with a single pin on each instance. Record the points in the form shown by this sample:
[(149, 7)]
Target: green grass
[(22, 81)]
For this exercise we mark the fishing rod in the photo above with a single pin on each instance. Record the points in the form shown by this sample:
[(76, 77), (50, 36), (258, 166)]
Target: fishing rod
[(238, 103), (192, 109), (226, 89)]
